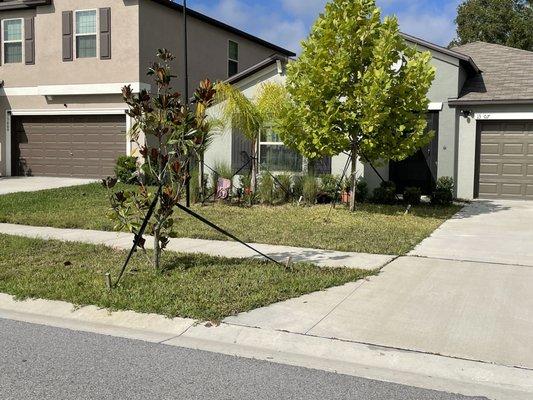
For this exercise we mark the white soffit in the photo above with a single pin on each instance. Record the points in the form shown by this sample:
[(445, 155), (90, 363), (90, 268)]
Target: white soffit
[(73, 90), (503, 116)]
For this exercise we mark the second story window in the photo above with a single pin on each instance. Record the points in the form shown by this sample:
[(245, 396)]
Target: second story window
[(85, 33), (233, 58), (12, 40)]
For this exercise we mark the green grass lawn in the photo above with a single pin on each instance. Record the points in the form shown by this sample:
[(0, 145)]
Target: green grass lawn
[(193, 286), (373, 228)]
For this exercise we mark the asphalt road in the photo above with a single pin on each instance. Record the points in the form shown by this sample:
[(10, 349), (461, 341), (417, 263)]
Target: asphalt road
[(39, 362)]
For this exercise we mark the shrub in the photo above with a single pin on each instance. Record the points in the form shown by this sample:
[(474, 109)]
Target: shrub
[(443, 193), (328, 190), (298, 186), (266, 188), (126, 169), (385, 193), (283, 192), (412, 196), (361, 190), (310, 189)]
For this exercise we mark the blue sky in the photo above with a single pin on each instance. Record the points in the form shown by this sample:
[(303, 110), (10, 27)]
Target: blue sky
[(287, 22)]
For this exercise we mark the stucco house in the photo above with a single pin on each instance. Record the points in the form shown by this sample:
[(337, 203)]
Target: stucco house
[(481, 108), (63, 64)]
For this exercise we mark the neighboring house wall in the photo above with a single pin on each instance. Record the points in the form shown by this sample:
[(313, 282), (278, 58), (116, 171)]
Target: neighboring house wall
[(208, 45), (26, 85), (228, 143), (138, 29)]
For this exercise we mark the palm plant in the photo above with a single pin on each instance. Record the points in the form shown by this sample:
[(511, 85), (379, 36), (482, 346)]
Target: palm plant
[(249, 116)]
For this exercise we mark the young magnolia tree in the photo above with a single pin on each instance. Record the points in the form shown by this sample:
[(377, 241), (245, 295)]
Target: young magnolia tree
[(173, 137), (357, 88)]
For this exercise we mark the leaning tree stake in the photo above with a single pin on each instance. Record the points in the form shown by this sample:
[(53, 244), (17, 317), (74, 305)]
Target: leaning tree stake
[(357, 88)]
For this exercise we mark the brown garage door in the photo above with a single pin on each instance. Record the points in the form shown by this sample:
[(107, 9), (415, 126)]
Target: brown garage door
[(84, 146), (506, 159)]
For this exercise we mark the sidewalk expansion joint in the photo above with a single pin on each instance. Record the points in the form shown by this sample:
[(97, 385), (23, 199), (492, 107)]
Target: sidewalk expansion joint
[(462, 260)]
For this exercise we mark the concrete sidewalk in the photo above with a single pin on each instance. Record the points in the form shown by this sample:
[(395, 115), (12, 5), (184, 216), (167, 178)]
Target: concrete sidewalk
[(387, 364), (491, 231), (17, 184), (474, 311), (324, 258)]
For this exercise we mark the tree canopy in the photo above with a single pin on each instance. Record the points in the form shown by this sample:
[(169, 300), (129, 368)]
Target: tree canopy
[(358, 87), (505, 22)]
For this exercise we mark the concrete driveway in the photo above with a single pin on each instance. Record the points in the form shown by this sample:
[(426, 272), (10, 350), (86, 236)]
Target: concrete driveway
[(465, 292), (485, 231), (33, 184)]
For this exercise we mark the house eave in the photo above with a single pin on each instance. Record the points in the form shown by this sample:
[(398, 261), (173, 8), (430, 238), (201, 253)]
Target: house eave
[(255, 68), (464, 103), (21, 4), (226, 27), (432, 46)]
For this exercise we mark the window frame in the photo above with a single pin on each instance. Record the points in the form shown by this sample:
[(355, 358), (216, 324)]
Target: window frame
[(280, 143), (21, 41), (230, 60), (76, 34)]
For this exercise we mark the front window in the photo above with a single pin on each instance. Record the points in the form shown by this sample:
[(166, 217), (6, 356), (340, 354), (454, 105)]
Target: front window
[(86, 34), (233, 58), (12, 35), (275, 156)]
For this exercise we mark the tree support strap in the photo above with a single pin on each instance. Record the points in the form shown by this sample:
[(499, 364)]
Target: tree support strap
[(224, 232)]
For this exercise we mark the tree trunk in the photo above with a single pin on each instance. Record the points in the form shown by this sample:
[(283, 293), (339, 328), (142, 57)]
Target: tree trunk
[(353, 156)]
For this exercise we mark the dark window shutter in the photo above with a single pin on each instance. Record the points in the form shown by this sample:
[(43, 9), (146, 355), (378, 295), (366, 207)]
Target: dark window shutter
[(68, 53), (105, 33), (29, 41)]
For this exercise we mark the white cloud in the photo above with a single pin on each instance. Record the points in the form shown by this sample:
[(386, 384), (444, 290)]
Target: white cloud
[(304, 8), (287, 22)]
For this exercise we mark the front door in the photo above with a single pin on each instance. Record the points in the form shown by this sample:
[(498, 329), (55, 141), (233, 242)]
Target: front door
[(419, 170)]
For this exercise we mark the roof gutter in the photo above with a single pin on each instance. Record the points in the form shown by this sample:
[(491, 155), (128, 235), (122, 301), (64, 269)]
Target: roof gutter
[(275, 59), (460, 103)]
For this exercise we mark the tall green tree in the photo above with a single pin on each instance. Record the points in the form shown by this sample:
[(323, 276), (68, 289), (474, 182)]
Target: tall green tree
[(358, 88), (505, 22)]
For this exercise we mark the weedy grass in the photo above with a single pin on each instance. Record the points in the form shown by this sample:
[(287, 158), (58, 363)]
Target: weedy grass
[(192, 286)]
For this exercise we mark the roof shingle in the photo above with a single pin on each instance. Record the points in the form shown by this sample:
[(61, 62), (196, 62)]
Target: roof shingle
[(507, 74)]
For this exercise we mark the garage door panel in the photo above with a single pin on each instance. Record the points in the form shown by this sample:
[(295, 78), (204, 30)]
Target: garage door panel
[(513, 169), (489, 168), (490, 148), (77, 146), (506, 154)]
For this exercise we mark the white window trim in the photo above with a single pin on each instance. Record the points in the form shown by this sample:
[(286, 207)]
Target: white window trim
[(261, 143), (21, 41), (82, 111), (95, 34), (232, 59)]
